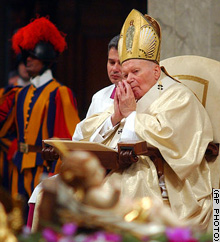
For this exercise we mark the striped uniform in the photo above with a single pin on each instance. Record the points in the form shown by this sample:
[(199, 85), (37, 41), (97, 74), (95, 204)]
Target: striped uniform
[(39, 113)]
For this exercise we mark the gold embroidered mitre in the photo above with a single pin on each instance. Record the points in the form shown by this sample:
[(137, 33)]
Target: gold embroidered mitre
[(140, 38)]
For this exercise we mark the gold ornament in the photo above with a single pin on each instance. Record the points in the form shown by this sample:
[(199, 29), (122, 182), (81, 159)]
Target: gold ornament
[(140, 38)]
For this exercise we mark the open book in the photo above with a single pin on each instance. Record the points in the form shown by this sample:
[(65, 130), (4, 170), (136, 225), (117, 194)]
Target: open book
[(108, 157)]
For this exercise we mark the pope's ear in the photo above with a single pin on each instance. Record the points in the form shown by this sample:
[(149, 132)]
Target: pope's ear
[(157, 71)]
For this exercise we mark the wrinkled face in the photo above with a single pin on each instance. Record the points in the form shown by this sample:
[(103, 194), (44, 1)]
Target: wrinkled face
[(33, 66), (113, 66), (141, 75)]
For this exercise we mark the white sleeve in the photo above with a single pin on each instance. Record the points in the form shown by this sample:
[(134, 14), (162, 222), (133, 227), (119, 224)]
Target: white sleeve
[(128, 132), (103, 131), (78, 132)]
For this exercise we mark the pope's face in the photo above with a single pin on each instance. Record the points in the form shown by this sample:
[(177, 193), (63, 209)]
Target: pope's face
[(113, 66), (33, 66), (141, 75)]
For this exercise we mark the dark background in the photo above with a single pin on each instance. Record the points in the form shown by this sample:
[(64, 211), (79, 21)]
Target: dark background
[(88, 24)]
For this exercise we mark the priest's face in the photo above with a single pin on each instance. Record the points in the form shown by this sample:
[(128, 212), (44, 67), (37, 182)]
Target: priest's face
[(113, 66), (141, 75)]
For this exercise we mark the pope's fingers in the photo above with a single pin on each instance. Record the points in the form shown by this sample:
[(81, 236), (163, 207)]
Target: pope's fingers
[(128, 88), (118, 92), (121, 87)]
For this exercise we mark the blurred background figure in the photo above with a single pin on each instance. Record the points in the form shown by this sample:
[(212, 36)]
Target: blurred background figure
[(19, 76)]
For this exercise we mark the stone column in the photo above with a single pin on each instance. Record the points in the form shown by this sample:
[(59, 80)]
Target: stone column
[(188, 27)]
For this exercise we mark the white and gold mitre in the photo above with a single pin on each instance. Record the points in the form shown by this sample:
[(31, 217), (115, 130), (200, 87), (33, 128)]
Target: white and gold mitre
[(140, 38)]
